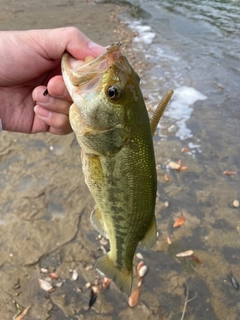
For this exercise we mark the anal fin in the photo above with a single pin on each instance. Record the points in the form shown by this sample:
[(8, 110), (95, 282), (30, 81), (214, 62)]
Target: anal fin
[(122, 278)]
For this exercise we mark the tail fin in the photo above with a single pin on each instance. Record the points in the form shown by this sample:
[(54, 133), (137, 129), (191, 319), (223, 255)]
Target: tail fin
[(123, 279)]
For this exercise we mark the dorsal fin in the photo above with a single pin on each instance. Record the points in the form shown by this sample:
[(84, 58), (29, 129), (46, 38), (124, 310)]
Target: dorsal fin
[(159, 111)]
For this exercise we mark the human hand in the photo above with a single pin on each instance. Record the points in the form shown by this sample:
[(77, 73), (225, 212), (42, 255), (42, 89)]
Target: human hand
[(30, 63)]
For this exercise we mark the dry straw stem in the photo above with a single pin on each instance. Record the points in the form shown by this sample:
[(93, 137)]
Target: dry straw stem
[(22, 314), (186, 301)]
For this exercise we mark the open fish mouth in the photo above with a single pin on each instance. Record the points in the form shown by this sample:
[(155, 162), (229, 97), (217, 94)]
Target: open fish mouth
[(88, 74), (96, 85)]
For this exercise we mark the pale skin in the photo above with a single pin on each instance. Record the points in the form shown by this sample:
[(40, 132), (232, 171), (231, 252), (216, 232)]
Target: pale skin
[(30, 64)]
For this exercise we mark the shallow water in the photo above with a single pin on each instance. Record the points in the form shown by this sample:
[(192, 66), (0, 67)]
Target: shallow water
[(186, 46), (192, 47)]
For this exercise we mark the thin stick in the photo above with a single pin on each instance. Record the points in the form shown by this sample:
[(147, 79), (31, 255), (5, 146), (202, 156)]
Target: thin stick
[(159, 111), (186, 302)]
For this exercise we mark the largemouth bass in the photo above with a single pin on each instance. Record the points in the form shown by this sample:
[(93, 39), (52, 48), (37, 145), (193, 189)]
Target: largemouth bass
[(112, 127)]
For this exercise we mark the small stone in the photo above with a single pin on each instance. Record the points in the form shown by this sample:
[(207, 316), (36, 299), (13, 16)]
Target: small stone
[(88, 285), (59, 284), (106, 282), (172, 128), (54, 276), (45, 285), (48, 279), (235, 203), (139, 256), (89, 267), (103, 249), (133, 299), (142, 271), (166, 204), (74, 275), (187, 253), (103, 242), (174, 165), (169, 241)]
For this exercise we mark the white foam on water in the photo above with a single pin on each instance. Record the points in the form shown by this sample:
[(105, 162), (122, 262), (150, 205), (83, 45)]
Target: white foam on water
[(160, 52), (145, 34), (180, 109), (181, 106)]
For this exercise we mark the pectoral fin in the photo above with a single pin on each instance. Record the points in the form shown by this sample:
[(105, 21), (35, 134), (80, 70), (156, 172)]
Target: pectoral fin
[(150, 237), (98, 222)]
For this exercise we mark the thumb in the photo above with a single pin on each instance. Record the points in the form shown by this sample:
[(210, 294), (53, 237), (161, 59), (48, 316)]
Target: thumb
[(70, 39)]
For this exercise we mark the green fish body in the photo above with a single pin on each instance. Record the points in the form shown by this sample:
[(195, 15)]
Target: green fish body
[(111, 123)]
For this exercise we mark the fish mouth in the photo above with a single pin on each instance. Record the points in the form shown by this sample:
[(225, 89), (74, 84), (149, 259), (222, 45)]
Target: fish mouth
[(88, 73)]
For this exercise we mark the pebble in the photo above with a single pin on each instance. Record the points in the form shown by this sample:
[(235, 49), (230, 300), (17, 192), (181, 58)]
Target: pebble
[(59, 284), (89, 267), (54, 275), (174, 165), (106, 282), (235, 203), (139, 256), (172, 128), (169, 241), (133, 299), (142, 271), (103, 242), (166, 204), (185, 253), (45, 285), (74, 275)]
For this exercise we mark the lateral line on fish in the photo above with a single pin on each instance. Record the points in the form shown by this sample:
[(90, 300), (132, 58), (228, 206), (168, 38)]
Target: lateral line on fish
[(159, 111)]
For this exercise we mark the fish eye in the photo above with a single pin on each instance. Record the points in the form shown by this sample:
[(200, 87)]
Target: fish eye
[(113, 93)]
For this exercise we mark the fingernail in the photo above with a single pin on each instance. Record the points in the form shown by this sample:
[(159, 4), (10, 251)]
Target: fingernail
[(96, 47), (92, 44), (42, 112)]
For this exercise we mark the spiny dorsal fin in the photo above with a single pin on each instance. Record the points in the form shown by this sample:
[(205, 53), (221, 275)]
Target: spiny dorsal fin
[(159, 111)]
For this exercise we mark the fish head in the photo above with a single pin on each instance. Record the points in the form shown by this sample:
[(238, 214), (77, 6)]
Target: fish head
[(102, 89)]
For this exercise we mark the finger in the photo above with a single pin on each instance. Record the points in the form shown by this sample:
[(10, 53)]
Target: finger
[(56, 88), (58, 122), (70, 39), (50, 102)]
